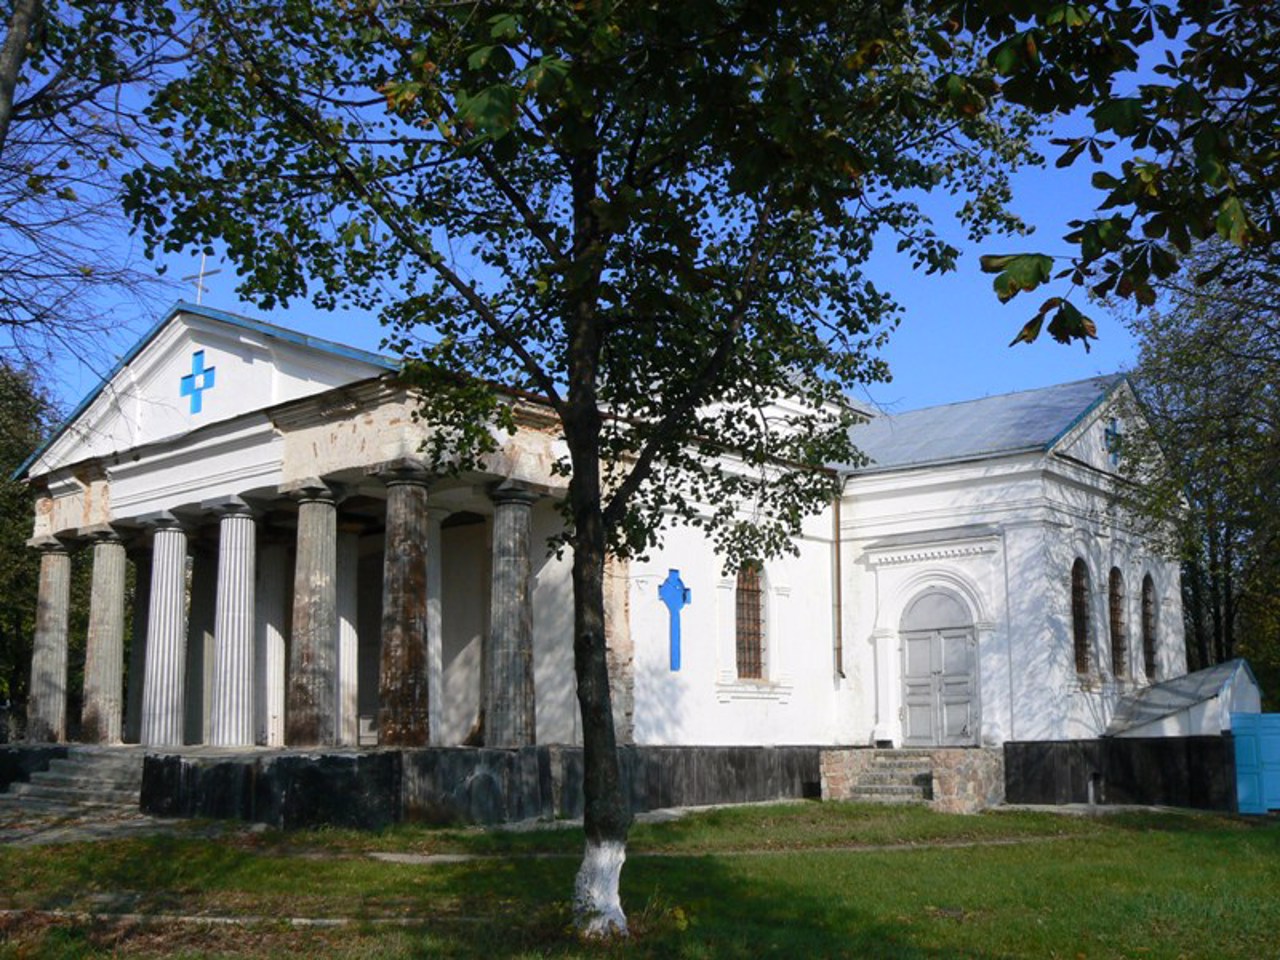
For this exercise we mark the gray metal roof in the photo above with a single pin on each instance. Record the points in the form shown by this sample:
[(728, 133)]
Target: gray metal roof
[(992, 426), (1173, 696)]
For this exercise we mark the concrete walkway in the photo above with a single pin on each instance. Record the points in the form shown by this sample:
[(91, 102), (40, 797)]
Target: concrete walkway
[(23, 828)]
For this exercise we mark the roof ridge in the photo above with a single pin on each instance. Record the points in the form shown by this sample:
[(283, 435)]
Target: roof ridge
[(1113, 376)]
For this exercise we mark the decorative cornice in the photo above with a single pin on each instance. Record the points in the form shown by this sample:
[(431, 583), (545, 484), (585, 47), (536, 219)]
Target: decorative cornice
[(957, 550)]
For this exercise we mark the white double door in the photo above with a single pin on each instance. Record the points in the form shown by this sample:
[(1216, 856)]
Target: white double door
[(939, 681)]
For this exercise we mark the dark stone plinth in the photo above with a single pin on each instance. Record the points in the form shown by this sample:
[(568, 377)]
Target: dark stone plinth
[(287, 790), (1197, 772), (370, 789)]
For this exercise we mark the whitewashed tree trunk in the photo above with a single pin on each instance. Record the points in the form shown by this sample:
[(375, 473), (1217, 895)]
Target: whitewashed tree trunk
[(597, 909)]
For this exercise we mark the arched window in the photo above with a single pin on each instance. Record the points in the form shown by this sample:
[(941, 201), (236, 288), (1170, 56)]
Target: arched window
[(1149, 628), (749, 596), (1080, 614), (1119, 625)]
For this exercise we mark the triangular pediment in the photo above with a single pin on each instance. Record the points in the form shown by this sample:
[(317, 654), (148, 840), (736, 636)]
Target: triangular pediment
[(1097, 437), (195, 368)]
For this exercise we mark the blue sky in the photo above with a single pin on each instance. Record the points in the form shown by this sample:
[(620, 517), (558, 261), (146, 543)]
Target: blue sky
[(951, 345)]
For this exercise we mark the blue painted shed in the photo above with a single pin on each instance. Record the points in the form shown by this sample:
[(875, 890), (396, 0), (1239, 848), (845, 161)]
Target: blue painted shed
[(1257, 743)]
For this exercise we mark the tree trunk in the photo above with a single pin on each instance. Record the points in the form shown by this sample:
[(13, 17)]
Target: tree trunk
[(1193, 612), (1215, 589), (12, 55), (607, 814), (1228, 594)]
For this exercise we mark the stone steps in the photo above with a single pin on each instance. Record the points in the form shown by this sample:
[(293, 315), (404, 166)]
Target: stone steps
[(85, 780), (895, 776)]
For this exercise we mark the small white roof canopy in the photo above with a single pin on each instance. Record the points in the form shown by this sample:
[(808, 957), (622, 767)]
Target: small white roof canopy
[(1196, 704)]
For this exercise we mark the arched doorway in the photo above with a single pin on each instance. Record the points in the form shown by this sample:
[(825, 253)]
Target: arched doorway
[(939, 679)]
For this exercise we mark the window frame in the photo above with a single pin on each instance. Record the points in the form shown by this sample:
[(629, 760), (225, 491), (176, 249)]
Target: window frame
[(1150, 626), (750, 626), (1118, 622), (1081, 627)]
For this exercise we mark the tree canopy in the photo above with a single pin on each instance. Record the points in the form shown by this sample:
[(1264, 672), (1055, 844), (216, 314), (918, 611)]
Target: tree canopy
[(1210, 462), (654, 217), (1186, 150), (24, 419), (68, 128)]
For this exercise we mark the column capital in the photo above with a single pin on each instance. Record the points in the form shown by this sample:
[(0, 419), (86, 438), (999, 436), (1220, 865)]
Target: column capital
[(229, 506), (100, 533), (48, 544), (402, 470), (162, 520), (312, 489), (510, 491)]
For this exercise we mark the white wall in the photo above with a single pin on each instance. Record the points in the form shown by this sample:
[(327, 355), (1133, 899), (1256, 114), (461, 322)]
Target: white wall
[(704, 702)]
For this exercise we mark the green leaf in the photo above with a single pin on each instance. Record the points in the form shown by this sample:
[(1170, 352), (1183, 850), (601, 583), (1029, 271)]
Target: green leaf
[(1232, 222), (505, 26), (1074, 150), (1024, 271), (1068, 15), (1070, 324), (1124, 115), (491, 112), (1030, 331)]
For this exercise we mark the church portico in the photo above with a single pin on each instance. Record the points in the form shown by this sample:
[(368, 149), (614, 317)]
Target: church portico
[(308, 616)]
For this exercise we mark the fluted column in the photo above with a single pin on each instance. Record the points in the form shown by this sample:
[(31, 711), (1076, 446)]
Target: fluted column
[(163, 691), (311, 714), (509, 719), (104, 647), (272, 597), (231, 713), (404, 703), (138, 646), (200, 619), (348, 571), (47, 694)]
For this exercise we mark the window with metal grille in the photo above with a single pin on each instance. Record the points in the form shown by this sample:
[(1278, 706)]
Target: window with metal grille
[(750, 622), (1119, 625), (1080, 614), (1149, 628)]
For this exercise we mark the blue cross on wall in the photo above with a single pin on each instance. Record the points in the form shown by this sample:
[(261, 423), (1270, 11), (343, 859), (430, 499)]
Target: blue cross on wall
[(676, 596), (197, 381)]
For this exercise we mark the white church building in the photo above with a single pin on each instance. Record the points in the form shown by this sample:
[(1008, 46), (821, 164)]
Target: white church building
[(301, 580)]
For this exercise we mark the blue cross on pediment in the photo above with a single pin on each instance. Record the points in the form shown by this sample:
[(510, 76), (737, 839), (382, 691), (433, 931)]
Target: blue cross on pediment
[(1114, 441), (197, 381), (676, 596)]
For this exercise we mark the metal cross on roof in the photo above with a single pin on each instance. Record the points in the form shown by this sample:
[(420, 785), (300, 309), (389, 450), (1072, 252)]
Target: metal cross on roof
[(201, 289)]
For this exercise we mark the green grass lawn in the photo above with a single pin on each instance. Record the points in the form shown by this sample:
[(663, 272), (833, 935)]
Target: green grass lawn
[(801, 880)]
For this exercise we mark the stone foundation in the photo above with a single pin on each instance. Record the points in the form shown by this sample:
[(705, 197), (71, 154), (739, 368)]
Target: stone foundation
[(965, 779), (841, 769)]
